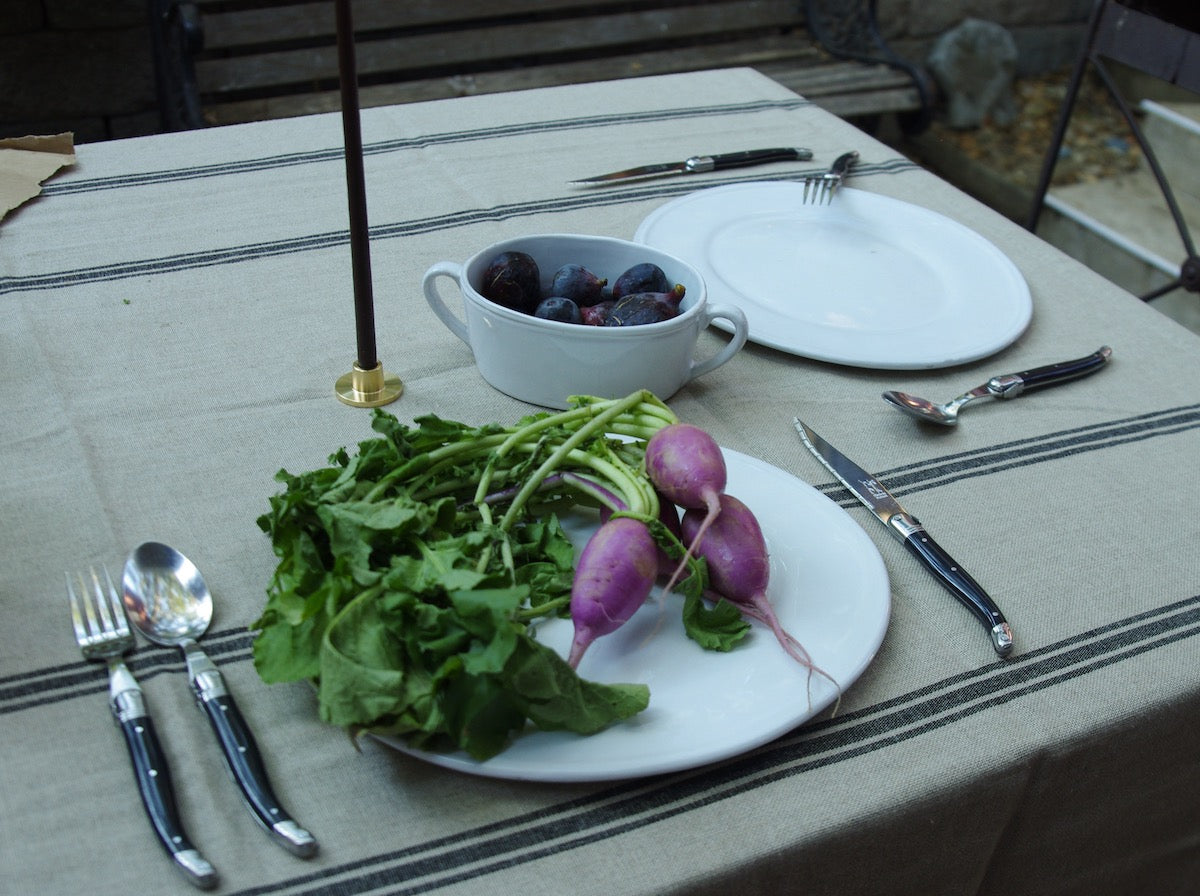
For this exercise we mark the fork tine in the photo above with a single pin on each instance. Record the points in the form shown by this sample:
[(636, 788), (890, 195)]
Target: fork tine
[(100, 601), (77, 611), (96, 610), (94, 624), (116, 609)]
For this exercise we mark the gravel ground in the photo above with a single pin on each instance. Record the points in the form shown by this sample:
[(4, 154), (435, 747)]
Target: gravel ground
[(1098, 142)]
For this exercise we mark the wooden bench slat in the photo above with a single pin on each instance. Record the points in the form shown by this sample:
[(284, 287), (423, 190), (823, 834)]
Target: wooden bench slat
[(240, 31), (838, 86), (273, 58), (492, 47)]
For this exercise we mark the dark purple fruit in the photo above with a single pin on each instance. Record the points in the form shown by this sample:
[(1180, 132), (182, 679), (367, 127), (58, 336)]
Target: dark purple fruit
[(644, 277), (577, 283), (643, 308), (558, 308), (596, 315), (512, 279)]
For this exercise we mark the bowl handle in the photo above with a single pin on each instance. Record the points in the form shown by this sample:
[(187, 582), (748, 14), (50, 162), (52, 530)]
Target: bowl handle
[(456, 273), (741, 330)]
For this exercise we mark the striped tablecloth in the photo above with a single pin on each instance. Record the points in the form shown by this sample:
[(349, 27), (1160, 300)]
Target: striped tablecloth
[(174, 312)]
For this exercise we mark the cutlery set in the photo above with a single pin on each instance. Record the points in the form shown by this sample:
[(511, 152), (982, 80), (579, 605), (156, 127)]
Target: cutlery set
[(907, 528), (166, 599), (818, 189)]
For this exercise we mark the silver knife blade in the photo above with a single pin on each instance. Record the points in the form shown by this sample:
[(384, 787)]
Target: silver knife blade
[(700, 164), (908, 529)]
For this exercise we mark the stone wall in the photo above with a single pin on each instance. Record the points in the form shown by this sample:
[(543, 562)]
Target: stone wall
[(1047, 34), (85, 65)]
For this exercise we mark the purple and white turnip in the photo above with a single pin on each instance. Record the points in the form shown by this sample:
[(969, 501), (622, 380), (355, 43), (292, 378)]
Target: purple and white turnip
[(687, 467), (613, 578), (739, 567)]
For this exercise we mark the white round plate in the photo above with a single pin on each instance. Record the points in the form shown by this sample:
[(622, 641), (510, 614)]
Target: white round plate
[(830, 590), (866, 281)]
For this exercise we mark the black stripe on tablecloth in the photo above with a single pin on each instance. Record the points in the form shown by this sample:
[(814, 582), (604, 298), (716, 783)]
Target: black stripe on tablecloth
[(950, 468), (31, 689), (591, 198), (400, 144)]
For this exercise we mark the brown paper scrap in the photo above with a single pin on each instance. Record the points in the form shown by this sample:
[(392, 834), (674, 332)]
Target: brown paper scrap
[(25, 162)]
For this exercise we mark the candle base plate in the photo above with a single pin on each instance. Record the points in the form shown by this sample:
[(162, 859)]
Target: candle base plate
[(368, 388)]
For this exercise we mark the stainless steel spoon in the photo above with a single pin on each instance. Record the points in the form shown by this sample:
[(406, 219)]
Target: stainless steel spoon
[(1009, 385), (169, 603)]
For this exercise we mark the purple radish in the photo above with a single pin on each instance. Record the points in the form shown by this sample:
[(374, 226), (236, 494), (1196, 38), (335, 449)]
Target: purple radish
[(668, 514), (739, 568), (687, 467), (615, 573)]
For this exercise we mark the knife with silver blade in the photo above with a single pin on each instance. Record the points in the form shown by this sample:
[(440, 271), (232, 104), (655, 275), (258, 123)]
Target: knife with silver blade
[(909, 530), (701, 164)]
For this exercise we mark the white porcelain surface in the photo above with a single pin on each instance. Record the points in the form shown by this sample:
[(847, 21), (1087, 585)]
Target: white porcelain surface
[(867, 280), (830, 589), (545, 362)]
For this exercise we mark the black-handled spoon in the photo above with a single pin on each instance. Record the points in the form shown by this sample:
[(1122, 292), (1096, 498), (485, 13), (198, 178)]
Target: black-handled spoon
[(1007, 386), (168, 602)]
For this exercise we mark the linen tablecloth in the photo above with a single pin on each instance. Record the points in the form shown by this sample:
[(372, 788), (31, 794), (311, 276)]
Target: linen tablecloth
[(174, 313)]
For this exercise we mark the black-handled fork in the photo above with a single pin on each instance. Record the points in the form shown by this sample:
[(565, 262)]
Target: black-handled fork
[(103, 634)]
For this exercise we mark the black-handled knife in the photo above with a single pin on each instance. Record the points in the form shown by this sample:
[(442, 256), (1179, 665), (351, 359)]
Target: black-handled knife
[(701, 164), (909, 530)]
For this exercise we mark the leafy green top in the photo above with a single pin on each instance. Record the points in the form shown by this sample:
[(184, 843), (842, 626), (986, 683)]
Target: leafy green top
[(409, 574)]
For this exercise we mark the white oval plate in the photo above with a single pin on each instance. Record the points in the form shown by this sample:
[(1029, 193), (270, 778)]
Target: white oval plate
[(829, 588), (866, 281)]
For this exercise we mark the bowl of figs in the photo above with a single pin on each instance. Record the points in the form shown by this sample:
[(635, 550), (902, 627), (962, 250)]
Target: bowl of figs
[(549, 316)]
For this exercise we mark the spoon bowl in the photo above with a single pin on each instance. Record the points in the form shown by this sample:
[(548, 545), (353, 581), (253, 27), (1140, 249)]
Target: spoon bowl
[(168, 601), (924, 409), (166, 596)]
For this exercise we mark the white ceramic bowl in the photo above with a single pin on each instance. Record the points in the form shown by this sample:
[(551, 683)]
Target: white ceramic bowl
[(544, 362)]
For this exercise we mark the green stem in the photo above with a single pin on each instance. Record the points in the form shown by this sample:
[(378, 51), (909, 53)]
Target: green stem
[(584, 432), (524, 614)]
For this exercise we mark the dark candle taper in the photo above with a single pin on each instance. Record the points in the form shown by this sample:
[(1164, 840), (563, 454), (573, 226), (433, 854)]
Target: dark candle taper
[(366, 385), (360, 249)]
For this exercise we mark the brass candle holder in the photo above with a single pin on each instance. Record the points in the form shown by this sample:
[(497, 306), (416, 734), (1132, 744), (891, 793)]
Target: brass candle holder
[(368, 388)]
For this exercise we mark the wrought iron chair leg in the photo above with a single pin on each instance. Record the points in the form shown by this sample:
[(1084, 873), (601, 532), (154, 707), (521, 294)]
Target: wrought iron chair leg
[(1189, 276)]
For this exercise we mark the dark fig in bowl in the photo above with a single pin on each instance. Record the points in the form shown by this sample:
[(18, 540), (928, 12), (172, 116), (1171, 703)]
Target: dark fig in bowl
[(596, 315), (513, 280), (577, 283), (644, 308), (644, 277), (558, 308)]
